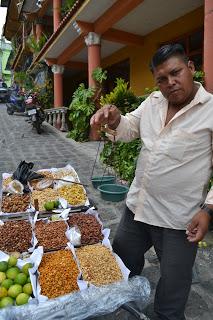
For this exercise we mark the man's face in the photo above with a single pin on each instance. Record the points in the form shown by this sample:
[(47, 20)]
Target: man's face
[(175, 80)]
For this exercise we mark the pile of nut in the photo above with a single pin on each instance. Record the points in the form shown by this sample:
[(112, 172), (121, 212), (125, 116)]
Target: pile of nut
[(15, 236), (51, 235), (58, 274), (6, 181), (44, 196), (98, 265), (89, 227), (74, 194), (15, 203), (61, 173)]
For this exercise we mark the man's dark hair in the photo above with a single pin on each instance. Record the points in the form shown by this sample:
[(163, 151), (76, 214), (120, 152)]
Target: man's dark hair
[(166, 52)]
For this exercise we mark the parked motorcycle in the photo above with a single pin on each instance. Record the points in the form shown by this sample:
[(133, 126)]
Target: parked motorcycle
[(35, 112), (16, 103)]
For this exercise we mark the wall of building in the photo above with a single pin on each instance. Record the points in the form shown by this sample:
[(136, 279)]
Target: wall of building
[(6, 74), (140, 76)]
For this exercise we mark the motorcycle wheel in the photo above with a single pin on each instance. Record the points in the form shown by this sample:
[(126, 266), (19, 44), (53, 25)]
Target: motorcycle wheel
[(38, 127), (10, 111)]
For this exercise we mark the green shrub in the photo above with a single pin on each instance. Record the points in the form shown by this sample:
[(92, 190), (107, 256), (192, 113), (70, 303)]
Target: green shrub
[(122, 157), (121, 96), (199, 76), (81, 109)]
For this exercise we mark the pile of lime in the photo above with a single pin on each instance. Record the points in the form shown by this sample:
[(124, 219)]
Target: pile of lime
[(15, 284), (51, 205)]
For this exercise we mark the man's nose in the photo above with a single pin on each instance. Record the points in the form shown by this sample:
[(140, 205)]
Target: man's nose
[(171, 80)]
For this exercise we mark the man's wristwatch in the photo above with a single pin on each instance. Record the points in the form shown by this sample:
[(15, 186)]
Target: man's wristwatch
[(205, 207)]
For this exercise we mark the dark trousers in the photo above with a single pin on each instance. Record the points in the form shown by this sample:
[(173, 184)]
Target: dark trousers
[(176, 256)]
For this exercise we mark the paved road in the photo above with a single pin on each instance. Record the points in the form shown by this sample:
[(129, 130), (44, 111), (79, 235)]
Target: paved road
[(18, 141)]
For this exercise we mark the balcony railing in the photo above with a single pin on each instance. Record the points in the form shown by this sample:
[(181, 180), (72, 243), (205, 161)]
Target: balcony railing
[(56, 117)]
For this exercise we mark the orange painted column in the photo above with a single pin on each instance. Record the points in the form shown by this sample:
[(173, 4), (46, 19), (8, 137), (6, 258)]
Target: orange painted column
[(94, 55), (56, 14), (58, 85), (57, 69), (208, 45), (93, 43)]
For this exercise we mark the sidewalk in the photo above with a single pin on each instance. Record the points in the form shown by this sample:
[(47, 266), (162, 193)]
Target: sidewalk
[(18, 141)]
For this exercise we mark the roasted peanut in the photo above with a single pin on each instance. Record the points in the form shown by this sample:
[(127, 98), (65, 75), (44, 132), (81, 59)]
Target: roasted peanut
[(98, 265), (51, 235), (58, 274), (15, 203), (15, 236), (89, 227)]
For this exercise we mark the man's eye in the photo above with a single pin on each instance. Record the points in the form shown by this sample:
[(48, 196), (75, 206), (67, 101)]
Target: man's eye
[(176, 72), (161, 80)]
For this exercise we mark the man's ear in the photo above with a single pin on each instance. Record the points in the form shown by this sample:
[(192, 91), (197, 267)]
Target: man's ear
[(191, 66)]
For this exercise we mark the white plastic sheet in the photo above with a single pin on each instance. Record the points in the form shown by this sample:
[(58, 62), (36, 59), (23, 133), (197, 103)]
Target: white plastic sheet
[(83, 304)]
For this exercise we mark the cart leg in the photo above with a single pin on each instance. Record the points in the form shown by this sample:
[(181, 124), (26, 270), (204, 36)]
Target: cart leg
[(134, 312)]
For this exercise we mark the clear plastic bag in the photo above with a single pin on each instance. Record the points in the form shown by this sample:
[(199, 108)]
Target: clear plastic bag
[(83, 304), (75, 236), (14, 187)]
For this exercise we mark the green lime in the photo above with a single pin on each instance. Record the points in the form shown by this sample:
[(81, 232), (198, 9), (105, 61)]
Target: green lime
[(22, 298), (14, 290), (56, 203), (21, 278), (26, 267), (49, 205), (12, 261), (3, 292), (27, 288), (6, 301), (28, 280), (2, 277), (7, 283), (3, 266), (12, 272)]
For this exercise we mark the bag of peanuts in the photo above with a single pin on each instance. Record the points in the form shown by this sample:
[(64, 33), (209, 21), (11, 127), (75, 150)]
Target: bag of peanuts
[(89, 226)]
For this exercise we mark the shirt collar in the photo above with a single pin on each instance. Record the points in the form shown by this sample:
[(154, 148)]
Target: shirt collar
[(201, 96)]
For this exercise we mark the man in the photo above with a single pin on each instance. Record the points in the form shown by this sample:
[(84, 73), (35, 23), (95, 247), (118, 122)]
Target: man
[(171, 179)]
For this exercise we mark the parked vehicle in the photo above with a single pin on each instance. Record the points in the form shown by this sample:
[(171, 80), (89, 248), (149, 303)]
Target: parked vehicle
[(15, 103), (35, 112), (4, 93)]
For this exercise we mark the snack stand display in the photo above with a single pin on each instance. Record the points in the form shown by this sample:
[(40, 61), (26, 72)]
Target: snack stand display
[(74, 273)]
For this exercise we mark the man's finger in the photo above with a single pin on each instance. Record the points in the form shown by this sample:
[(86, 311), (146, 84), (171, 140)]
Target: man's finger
[(196, 237), (193, 225)]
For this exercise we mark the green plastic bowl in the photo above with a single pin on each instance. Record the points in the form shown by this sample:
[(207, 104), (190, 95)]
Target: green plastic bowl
[(97, 181), (113, 192)]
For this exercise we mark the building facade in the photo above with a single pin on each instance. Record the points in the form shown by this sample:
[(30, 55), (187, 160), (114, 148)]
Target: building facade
[(120, 36)]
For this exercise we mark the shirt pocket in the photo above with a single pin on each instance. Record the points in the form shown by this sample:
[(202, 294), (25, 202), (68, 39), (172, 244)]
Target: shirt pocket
[(180, 145)]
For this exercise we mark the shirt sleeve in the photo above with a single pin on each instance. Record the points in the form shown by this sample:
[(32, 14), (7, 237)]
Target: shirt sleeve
[(209, 198), (129, 126)]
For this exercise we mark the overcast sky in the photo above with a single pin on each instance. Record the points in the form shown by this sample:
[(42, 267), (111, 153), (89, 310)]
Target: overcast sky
[(3, 13)]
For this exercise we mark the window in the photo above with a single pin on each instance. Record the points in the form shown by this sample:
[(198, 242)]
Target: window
[(193, 45)]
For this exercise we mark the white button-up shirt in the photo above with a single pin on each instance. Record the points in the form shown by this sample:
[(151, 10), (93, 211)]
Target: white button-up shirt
[(175, 162)]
